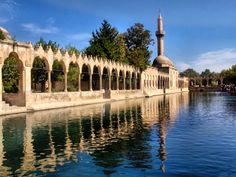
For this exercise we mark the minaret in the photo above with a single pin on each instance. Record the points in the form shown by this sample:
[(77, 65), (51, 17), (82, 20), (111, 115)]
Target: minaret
[(160, 36)]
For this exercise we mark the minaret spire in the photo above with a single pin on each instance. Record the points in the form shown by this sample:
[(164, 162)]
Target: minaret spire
[(160, 36)]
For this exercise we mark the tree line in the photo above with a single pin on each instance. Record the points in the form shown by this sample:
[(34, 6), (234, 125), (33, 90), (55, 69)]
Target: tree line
[(229, 75)]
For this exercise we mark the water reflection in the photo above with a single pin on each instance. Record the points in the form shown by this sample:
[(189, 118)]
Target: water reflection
[(113, 135)]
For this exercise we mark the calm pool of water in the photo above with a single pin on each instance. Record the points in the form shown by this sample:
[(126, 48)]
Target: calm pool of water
[(176, 135)]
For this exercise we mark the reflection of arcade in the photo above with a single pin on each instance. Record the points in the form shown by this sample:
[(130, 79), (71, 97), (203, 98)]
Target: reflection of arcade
[(48, 139)]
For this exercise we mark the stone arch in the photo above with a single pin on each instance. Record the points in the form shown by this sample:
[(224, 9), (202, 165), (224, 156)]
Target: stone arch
[(127, 80), (219, 82), (133, 81), (58, 76), (105, 78), (96, 78), (39, 75), (204, 82), (121, 80), (153, 81), (138, 81), (192, 83), (85, 77), (73, 77), (114, 78), (12, 80)]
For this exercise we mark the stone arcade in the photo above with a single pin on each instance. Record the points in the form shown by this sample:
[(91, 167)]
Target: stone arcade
[(113, 80)]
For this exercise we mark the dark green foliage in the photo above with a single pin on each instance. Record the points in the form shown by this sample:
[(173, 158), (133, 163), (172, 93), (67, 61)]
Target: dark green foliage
[(2, 37), (57, 71), (229, 75), (71, 49), (121, 48), (189, 73), (103, 43), (73, 76), (57, 76), (137, 40), (11, 75), (54, 45), (39, 73)]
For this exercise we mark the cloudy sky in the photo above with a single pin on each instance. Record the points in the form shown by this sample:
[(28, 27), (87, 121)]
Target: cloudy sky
[(199, 33)]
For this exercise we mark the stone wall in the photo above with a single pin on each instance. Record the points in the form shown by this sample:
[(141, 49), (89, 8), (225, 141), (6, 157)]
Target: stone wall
[(124, 94), (17, 99)]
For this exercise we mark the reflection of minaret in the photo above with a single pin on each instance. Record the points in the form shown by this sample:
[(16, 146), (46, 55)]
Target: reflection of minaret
[(160, 36), (162, 133), (162, 149)]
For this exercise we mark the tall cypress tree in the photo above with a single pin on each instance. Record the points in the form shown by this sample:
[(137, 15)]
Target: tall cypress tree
[(104, 43)]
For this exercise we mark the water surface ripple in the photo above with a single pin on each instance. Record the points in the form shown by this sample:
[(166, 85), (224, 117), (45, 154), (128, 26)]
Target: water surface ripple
[(175, 135)]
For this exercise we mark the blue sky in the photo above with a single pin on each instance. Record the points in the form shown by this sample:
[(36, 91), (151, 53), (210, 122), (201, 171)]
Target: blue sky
[(199, 33)]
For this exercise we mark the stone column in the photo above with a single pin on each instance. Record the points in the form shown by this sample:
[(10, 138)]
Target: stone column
[(65, 82), (1, 85), (124, 80), (79, 82), (26, 76), (221, 81), (109, 82), (135, 83), (130, 83), (49, 82), (117, 82), (90, 81), (100, 81)]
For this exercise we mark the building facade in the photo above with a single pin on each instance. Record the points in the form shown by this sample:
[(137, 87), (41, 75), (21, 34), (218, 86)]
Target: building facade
[(97, 79)]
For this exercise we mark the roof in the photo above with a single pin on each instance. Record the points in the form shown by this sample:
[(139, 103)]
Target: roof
[(162, 61), (6, 34)]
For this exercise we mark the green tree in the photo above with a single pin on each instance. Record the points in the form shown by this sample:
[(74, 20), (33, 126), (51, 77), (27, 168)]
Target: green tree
[(103, 42), (229, 75), (39, 73), (54, 45), (2, 37), (121, 48), (11, 75), (73, 74), (189, 73), (138, 40), (206, 73), (71, 49)]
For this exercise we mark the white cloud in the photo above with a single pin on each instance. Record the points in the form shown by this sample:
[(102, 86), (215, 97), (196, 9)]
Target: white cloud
[(80, 37), (4, 19), (34, 28), (213, 60), (7, 10)]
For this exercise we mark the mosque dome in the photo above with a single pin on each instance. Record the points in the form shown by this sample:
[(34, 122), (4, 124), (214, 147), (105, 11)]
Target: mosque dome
[(6, 34), (162, 61)]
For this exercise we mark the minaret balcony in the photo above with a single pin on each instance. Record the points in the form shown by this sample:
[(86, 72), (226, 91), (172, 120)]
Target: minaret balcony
[(160, 33)]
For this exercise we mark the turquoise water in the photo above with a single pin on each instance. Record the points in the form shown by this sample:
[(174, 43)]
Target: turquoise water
[(176, 135)]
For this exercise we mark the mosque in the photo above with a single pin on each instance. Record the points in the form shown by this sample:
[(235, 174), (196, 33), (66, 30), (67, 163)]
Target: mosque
[(97, 79)]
